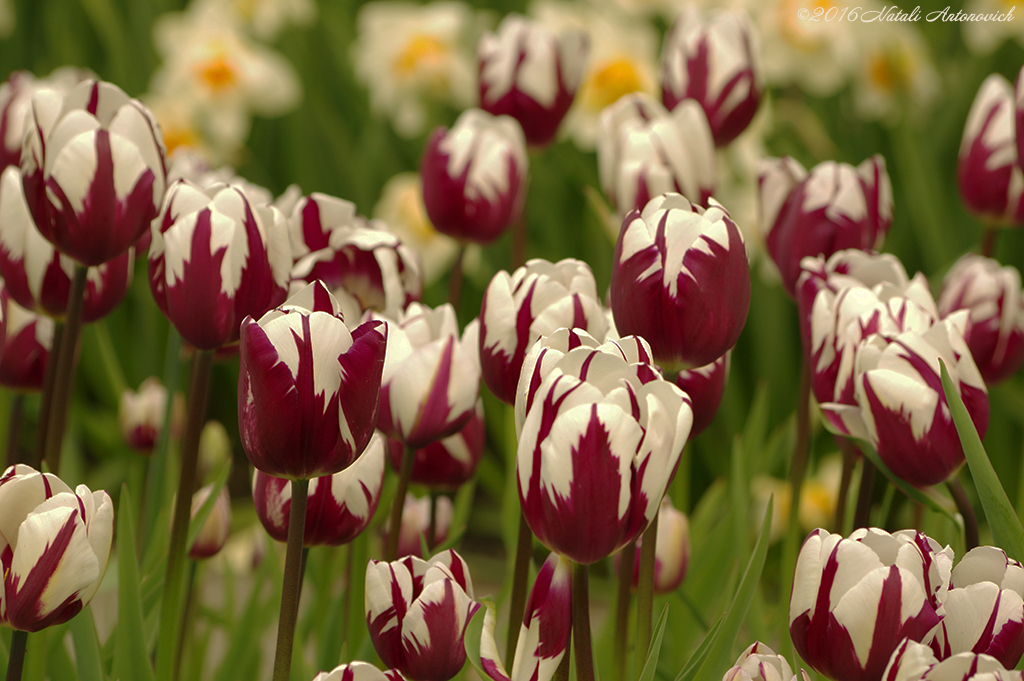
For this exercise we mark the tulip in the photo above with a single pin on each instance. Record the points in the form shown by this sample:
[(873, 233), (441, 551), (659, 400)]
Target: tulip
[(474, 176), (94, 170), (418, 611), (415, 527), (680, 279), (533, 301), (308, 387), (984, 609), (141, 414), (217, 527), (644, 151), (602, 425), (992, 295), (714, 60), (988, 170), (448, 463), (705, 385), (855, 600), (672, 550), (760, 663), (358, 671), (913, 661), (832, 208), (16, 104), (531, 74), (26, 348), (54, 545), (339, 507)]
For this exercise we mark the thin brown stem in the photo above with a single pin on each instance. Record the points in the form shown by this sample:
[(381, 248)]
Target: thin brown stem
[(520, 578), (346, 601), (801, 452), (581, 622), (963, 504), (64, 378), (14, 429), (850, 456), (292, 587), (432, 526), (645, 587), (16, 661), (622, 603), (46, 400), (398, 506), (455, 279), (988, 241), (862, 516)]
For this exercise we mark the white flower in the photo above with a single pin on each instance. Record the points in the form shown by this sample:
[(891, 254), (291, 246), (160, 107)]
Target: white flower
[(983, 37), (895, 71)]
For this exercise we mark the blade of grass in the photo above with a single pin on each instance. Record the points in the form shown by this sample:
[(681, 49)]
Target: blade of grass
[(131, 655)]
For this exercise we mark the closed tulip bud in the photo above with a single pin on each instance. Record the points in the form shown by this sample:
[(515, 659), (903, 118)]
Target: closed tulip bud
[(416, 524), (984, 609), (94, 170), (531, 74), (855, 600), (217, 527), (680, 279), (760, 663), (308, 387), (988, 170), (992, 294), (431, 376), (418, 611), (643, 151), (672, 551), (358, 671), (448, 463), (914, 661), (832, 208), (475, 176), (338, 507), (26, 348), (535, 300), (141, 415), (714, 60), (705, 385), (54, 545)]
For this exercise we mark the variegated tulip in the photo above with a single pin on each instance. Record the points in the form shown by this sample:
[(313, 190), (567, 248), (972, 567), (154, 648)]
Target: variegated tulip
[(983, 612), (680, 279), (358, 671), (308, 387), (16, 104), (832, 208), (475, 176), (714, 59), (448, 463), (29, 337), (544, 634), (141, 415), (415, 528), (217, 527), (914, 661), (992, 294), (535, 300), (338, 507), (672, 550), (988, 170), (54, 545), (855, 600), (603, 425), (418, 611), (530, 73), (705, 385), (760, 663), (644, 151), (94, 169), (431, 376), (216, 258)]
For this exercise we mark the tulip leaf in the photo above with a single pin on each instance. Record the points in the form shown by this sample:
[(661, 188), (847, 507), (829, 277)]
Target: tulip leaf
[(701, 654), (474, 632), (244, 642), (651, 665), (927, 499), (87, 646), (1002, 518), (131, 656)]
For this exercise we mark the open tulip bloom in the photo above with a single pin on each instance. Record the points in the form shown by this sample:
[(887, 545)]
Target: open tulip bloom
[(914, 661), (760, 663), (358, 671)]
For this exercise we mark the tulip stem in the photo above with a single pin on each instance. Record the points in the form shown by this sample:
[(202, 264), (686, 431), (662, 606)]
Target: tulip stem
[(963, 504), (581, 622), (64, 378), (988, 241), (346, 600), (798, 468), (16, 661), (292, 588), (46, 402), (850, 455), (622, 604), (432, 526), (645, 588), (398, 506), (14, 429), (170, 609), (155, 474), (862, 516), (520, 577), (455, 279)]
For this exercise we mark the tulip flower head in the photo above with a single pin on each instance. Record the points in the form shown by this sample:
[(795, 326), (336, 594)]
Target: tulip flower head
[(914, 661), (760, 663), (448, 463), (54, 545), (308, 387), (28, 338), (416, 524), (216, 529), (705, 385), (141, 415), (358, 671)]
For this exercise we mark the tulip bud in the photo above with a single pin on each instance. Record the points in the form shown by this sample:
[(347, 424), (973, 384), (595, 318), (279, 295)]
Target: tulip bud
[(913, 661), (217, 527), (534, 301), (54, 545), (338, 507), (308, 387), (992, 294), (474, 176), (855, 600), (672, 550), (416, 524), (358, 671), (714, 60), (680, 279), (141, 414), (760, 663), (835, 207), (418, 611), (531, 74), (26, 348), (94, 169), (448, 463)]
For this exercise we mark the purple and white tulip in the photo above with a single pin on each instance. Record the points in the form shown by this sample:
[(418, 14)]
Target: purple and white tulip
[(141, 415), (993, 296), (643, 151), (415, 527), (358, 671), (914, 661), (760, 663), (832, 208), (339, 507), (54, 545), (308, 387), (28, 339), (16, 104), (531, 74), (475, 176), (535, 300), (418, 611), (705, 385), (672, 551), (855, 600), (680, 279), (448, 463), (214, 533), (603, 425), (94, 169), (714, 60)]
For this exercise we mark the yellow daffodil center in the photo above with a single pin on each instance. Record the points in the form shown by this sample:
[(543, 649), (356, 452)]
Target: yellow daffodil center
[(217, 73), (889, 70), (421, 50), (610, 81), (412, 213), (796, 26), (179, 136)]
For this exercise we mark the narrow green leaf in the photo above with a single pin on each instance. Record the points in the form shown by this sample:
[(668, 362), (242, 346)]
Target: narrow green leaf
[(1002, 519), (244, 639), (697, 659), (131, 657), (928, 498), (87, 646), (474, 632), (651, 665)]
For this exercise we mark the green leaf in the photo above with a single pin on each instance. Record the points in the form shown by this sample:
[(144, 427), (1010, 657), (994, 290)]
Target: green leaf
[(87, 646), (1002, 518), (697, 659), (651, 665), (927, 499), (244, 639), (474, 632), (131, 657)]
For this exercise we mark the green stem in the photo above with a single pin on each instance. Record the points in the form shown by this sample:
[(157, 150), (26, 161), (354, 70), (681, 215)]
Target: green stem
[(520, 577), (292, 587), (581, 622), (398, 506), (862, 516), (170, 610), (108, 356), (801, 452), (432, 526), (850, 455), (455, 279), (14, 429), (346, 603), (46, 403), (988, 241), (645, 588), (16, 661), (64, 379), (963, 504), (187, 616), (156, 475), (622, 603)]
